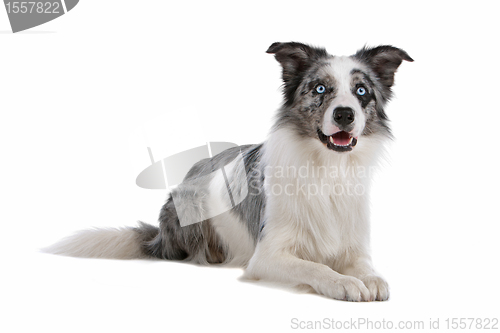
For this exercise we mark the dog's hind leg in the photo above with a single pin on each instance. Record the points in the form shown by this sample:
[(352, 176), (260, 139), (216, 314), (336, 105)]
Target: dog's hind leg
[(196, 242)]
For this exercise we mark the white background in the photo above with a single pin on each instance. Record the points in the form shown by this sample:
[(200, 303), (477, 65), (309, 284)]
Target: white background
[(82, 97)]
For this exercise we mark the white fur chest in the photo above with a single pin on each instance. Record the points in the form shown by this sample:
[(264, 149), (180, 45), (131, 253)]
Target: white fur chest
[(317, 206)]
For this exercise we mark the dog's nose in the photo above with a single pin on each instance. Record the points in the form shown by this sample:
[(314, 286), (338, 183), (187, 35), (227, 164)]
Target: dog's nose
[(343, 115)]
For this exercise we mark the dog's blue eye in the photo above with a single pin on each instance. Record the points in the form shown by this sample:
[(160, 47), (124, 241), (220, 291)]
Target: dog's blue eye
[(320, 89), (361, 91)]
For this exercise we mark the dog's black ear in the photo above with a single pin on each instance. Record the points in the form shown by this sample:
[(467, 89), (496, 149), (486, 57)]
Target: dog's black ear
[(384, 61), (295, 58)]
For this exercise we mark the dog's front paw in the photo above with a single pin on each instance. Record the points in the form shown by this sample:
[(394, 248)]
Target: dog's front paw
[(378, 287), (346, 288)]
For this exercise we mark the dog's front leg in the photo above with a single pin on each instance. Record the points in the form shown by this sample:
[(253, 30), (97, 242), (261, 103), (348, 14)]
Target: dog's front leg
[(362, 269), (286, 268)]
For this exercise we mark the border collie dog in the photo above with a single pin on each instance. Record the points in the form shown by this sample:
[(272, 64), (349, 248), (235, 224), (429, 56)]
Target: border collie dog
[(299, 211)]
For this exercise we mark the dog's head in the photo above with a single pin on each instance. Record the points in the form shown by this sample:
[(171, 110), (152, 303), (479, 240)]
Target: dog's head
[(337, 100)]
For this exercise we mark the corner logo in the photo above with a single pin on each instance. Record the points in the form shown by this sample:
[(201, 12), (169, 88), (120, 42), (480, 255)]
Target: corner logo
[(24, 15)]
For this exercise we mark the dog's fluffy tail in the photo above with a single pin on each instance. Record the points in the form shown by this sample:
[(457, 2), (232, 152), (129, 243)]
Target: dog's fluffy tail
[(109, 243)]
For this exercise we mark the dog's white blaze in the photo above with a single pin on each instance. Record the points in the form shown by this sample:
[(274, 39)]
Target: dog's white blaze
[(340, 68)]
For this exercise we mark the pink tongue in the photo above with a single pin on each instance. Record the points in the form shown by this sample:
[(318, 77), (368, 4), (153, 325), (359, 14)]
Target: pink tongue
[(341, 138)]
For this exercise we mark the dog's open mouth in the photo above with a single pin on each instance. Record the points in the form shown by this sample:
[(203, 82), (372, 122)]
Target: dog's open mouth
[(340, 141)]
